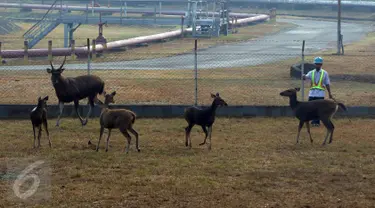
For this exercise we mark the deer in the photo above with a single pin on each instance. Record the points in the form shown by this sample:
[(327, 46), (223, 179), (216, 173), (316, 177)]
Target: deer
[(323, 110), (121, 119), (74, 89), (38, 116), (204, 117)]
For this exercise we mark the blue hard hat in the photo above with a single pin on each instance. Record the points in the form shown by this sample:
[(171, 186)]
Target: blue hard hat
[(318, 60)]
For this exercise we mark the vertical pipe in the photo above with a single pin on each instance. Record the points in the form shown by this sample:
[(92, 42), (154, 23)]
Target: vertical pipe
[(1, 56), (196, 72), (303, 71), (159, 8), (26, 54), (182, 26), (73, 48), (92, 7), (338, 27), (93, 49), (50, 50), (125, 9), (88, 56), (121, 13), (66, 35)]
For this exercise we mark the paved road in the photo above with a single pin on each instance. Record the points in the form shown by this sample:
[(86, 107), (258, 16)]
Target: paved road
[(319, 35)]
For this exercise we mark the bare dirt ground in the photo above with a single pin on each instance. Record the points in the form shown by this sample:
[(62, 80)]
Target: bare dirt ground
[(254, 163)]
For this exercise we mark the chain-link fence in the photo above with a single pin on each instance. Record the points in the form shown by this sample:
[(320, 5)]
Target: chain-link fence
[(247, 73)]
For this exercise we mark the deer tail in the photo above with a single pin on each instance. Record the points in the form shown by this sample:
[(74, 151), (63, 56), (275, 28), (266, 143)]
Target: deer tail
[(134, 116), (342, 106)]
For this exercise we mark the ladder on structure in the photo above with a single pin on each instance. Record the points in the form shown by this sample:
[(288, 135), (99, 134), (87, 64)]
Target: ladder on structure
[(49, 22)]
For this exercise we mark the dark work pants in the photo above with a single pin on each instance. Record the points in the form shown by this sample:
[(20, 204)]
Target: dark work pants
[(316, 98)]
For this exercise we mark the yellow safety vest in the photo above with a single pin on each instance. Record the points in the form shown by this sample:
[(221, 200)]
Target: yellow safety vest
[(318, 86)]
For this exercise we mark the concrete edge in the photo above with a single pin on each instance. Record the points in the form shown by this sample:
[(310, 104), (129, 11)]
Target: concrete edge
[(176, 111)]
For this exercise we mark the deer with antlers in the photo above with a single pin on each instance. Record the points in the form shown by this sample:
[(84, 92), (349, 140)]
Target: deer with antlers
[(74, 89)]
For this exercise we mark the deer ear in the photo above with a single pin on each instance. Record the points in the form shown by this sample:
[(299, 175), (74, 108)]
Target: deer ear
[(114, 93), (213, 96), (45, 98), (39, 98), (49, 70), (297, 88)]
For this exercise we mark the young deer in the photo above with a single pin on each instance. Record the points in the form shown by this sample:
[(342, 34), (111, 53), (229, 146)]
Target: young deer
[(38, 118), (116, 118), (74, 89), (323, 110), (202, 117)]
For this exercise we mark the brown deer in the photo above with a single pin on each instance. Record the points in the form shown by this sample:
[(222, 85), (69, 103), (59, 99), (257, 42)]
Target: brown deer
[(204, 117), (122, 119), (323, 110), (70, 89), (38, 118)]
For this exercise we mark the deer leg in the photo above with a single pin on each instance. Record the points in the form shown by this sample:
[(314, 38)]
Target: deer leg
[(91, 106), (136, 138), (45, 124), (76, 105), (100, 136), (308, 131), (34, 136), (299, 130), (206, 134), (187, 135), (128, 137), (210, 134), (327, 124), (109, 134), (333, 128), (61, 107), (39, 135)]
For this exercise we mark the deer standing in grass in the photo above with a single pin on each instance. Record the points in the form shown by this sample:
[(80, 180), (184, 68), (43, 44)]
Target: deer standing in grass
[(38, 118), (122, 119), (322, 110), (202, 117), (74, 89)]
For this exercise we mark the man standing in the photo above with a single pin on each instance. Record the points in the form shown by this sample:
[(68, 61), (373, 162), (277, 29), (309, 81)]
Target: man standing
[(319, 83)]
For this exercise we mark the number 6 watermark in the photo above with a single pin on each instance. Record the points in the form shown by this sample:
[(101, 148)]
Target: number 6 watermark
[(28, 179), (21, 178)]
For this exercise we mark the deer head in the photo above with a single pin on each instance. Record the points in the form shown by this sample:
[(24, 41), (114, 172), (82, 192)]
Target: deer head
[(109, 97), (42, 102), (290, 92), (56, 73), (218, 101)]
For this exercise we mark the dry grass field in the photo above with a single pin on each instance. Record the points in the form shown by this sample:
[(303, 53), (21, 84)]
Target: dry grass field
[(254, 163)]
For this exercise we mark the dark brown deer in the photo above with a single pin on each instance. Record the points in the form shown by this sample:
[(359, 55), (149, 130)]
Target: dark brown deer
[(322, 110), (74, 89), (204, 117), (38, 118), (121, 119)]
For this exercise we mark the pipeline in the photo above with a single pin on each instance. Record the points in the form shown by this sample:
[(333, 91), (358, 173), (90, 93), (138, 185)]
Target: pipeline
[(247, 18), (115, 44), (109, 9)]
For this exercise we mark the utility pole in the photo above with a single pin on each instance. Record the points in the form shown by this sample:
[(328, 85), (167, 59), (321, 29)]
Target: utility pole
[(339, 27)]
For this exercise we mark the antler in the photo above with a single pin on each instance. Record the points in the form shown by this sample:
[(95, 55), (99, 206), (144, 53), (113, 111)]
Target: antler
[(62, 63), (50, 62)]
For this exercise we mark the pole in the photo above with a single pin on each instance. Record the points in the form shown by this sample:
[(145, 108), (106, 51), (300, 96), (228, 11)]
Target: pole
[(303, 71), (88, 56), (338, 27), (196, 72)]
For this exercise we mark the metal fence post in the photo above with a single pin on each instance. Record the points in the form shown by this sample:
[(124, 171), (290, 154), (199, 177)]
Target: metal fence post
[(50, 50), (196, 72), (88, 56), (26, 52), (303, 71), (1, 55)]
